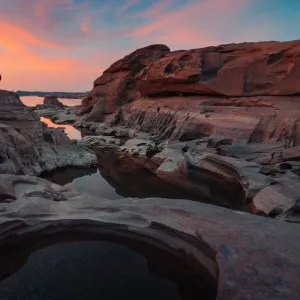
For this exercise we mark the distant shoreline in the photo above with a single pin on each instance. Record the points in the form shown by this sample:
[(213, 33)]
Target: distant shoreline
[(58, 95)]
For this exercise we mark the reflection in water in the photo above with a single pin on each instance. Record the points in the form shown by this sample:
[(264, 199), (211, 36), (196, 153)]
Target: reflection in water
[(86, 270), (116, 179), (84, 180), (133, 180), (35, 100), (71, 131)]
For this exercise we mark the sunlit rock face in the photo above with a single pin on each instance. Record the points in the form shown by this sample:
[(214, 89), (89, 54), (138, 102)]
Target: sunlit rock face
[(246, 69), (117, 84)]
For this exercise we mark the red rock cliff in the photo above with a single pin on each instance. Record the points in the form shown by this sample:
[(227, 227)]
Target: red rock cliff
[(233, 70), (247, 69)]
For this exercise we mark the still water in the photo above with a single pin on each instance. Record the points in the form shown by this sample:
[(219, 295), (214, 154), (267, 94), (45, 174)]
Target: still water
[(86, 270), (35, 100), (70, 131)]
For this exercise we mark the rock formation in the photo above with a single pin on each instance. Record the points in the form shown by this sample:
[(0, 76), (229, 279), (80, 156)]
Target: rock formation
[(234, 70), (117, 84), (217, 253), (52, 101), (27, 146), (221, 122), (238, 100)]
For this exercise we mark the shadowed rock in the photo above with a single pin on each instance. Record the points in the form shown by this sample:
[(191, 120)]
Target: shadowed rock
[(237, 254), (28, 146)]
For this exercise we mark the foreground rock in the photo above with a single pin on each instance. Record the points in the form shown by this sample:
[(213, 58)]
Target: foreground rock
[(234, 255), (27, 146)]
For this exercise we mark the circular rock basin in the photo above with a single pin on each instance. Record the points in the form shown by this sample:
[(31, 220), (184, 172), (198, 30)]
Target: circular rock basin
[(96, 270)]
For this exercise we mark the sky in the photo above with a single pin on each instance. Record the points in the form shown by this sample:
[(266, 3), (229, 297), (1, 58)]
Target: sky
[(64, 45)]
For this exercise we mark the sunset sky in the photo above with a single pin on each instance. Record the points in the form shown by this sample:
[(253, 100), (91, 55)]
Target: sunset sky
[(63, 45)]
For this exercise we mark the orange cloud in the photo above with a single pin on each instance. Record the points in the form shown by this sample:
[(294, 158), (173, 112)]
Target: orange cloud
[(29, 61), (12, 36)]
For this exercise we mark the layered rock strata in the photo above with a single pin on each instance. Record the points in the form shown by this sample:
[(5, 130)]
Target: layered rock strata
[(27, 146), (236, 102)]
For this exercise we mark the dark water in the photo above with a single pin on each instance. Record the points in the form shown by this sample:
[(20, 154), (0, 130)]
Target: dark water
[(86, 270), (115, 179)]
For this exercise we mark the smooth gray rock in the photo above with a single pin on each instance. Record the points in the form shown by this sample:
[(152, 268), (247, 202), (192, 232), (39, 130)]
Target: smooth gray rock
[(242, 255)]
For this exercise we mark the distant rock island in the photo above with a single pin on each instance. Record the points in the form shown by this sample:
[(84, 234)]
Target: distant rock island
[(69, 95)]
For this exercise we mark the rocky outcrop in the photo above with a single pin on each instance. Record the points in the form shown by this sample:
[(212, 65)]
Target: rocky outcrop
[(217, 253), (235, 70), (236, 102), (27, 146), (117, 84), (52, 101)]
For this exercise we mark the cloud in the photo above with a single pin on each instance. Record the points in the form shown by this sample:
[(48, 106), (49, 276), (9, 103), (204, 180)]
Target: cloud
[(197, 24)]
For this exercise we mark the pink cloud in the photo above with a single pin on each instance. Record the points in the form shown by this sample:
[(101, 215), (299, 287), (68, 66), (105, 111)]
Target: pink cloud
[(187, 27), (84, 27)]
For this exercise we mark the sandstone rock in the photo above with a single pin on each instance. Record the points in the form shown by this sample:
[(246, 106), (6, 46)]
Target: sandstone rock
[(246, 69), (224, 250), (117, 84)]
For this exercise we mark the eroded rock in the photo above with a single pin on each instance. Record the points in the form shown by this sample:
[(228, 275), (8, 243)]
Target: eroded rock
[(27, 146), (223, 249)]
